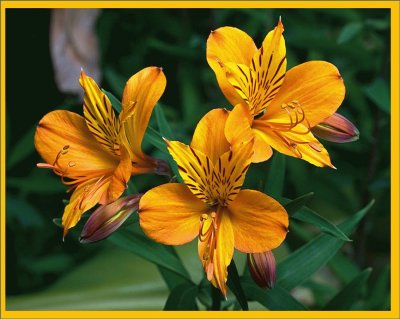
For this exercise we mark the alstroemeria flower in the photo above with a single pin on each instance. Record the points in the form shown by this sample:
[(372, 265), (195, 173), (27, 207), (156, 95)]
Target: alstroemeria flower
[(211, 204), (91, 152), (278, 108)]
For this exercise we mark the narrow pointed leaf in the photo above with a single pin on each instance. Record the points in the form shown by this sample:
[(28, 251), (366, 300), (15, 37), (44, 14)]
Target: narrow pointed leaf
[(305, 261), (23, 148), (116, 104), (155, 138), (182, 297), (350, 293), (162, 122), (309, 216), (276, 176), (274, 299), (171, 278), (292, 206), (235, 286), (296, 210), (159, 254)]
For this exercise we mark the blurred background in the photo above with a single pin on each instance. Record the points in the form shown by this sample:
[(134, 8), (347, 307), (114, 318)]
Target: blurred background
[(45, 50)]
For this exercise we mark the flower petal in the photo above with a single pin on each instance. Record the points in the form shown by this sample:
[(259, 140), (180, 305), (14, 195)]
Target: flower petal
[(195, 168), (209, 136), (84, 197), (238, 128), (224, 45), (269, 66), (262, 150), (99, 114), (120, 177), (316, 85), (259, 222), (301, 143), (230, 171), (141, 93), (64, 137), (216, 265), (170, 214)]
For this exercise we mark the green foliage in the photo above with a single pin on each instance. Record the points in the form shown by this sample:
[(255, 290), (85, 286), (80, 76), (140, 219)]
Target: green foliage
[(128, 270), (304, 262)]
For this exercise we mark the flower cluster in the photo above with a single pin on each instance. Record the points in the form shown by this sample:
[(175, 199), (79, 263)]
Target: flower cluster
[(273, 109)]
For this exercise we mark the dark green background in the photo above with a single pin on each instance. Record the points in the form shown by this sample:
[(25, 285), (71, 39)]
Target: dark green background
[(356, 41)]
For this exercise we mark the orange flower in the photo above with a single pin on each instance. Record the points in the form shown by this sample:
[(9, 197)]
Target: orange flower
[(211, 204), (96, 154), (276, 107)]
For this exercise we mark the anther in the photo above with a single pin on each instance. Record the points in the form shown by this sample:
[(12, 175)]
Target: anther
[(71, 164)]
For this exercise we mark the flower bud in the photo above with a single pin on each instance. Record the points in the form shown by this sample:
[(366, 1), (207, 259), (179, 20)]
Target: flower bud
[(262, 268), (108, 218), (162, 168), (337, 129)]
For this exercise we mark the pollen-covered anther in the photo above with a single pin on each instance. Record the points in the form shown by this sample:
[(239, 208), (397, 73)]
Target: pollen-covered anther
[(71, 164)]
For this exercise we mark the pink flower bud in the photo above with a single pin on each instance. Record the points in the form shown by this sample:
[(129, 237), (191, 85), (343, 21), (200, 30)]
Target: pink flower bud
[(262, 268), (108, 218), (337, 129)]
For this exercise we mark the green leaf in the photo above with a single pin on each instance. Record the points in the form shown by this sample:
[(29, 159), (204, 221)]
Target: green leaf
[(344, 267), (235, 286), (380, 290), (155, 138), (116, 81), (296, 210), (349, 31), (305, 261), (350, 293), (274, 299), (378, 92), (204, 293), (162, 122), (309, 216), (182, 297), (39, 181), (171, 278), (23, 148), (190, 94), (23, 213), (292, 206), (276, 176), (112, 279), (114, 101), (140, 245)]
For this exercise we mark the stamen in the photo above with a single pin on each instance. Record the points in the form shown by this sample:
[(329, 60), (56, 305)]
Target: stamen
[(208, 236)]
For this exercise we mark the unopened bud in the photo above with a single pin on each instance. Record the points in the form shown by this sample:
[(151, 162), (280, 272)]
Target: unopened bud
[(337, 129), (162, 168), (108, 218), (262, 268)]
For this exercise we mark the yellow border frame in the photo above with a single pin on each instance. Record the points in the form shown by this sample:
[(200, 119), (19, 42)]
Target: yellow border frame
[(395, 83)]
